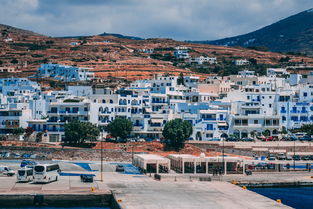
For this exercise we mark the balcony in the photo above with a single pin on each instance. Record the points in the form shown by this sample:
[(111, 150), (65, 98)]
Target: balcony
[(11, 126), (105, 113), (158, 129), (209, 119), (137, 128)]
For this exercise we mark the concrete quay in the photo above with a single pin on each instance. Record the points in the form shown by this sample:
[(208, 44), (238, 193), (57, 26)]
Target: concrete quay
[(133, 192), (68, 190), (129, 191)]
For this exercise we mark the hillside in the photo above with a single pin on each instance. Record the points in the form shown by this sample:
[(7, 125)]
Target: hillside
[(112, 56), (7, 30), (293, 34)]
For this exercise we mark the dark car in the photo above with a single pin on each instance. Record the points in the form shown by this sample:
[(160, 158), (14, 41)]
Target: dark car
[(247, 139), (305, 158), (231, 139), (110, 140), (25, 155), (296, 157), (28, 163), (305, 138), (261, 165), (119, 168), (86, 178)]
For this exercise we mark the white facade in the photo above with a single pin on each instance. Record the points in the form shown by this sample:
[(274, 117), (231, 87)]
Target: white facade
[(65, 73)]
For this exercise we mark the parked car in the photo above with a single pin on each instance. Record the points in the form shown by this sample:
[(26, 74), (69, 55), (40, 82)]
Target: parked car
[(86, 178), (28, 164), (119, 168), (247, 139), (16, 155), (270, 138), (110, 140), (6, 171), (261, 165), (296, 157), (231, 139), (305, 157), (305, 138), (6, 154), (271, 157), (281, 156), (288, 157), (26, 155)]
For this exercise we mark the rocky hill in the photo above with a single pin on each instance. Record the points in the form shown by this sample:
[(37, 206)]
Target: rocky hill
[(112, 56), (292, 34)]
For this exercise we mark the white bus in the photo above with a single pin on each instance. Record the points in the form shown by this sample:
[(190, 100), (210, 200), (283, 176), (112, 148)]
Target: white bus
[(45, 173), (25, 175)]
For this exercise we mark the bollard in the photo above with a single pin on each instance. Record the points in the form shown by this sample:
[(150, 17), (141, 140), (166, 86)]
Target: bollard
[(244, 187), (278, 200), (93, 189), (190, 178), (175, 179)]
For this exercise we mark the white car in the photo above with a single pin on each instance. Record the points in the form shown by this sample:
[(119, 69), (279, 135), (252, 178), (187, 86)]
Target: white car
[(6, 171)]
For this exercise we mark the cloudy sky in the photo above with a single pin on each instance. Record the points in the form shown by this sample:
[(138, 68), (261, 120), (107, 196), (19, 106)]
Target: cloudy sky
[(178, 19)]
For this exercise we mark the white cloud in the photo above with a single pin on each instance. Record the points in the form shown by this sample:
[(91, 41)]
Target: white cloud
[(183, 20)]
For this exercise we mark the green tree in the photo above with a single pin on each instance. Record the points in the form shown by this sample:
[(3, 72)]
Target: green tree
[(14, 61), (253, 61), (306, 128), (266, 133), (120, 127), (176, 132), (180, 79), (77, 132), (18, 131)]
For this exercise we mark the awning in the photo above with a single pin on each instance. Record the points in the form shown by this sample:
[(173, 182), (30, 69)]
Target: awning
[(156, 120), (222, 124)]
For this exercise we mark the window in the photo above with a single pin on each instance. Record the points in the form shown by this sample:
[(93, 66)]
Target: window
[(294, 118), (256, 121), (209, 127), (305, 94)]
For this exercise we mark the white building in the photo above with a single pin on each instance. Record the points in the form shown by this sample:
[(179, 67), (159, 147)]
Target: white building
[(241, 62), (201, 60), (65, 73)]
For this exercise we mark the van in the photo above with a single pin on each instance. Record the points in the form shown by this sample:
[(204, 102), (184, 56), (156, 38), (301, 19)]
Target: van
[(6, 171), (25, 174)]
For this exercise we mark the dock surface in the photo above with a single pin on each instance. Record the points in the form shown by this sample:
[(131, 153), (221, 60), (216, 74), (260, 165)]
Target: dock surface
[(136, 191)]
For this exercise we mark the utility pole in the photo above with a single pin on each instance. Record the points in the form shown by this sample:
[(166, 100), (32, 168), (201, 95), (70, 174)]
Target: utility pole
[(223, 159), (101, 159), (133, 153), (294, 154)]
